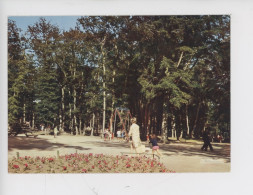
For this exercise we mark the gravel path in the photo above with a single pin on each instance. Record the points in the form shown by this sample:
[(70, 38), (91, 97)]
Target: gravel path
[(180, 157)]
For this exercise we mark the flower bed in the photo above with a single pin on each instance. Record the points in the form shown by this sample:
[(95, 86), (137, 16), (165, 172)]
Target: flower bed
[(86, 163)]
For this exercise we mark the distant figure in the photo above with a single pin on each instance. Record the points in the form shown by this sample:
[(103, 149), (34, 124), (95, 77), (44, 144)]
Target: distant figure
[(135, 134), (110, 135), (42, 127), (219, 138), (55, 131), (148, 138), (118, 134), (27, 123), (106, 134), (155, 147), (123, 134), (47, 130), (206, 141)]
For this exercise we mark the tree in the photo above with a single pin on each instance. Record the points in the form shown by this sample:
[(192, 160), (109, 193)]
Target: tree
[(42, 39)]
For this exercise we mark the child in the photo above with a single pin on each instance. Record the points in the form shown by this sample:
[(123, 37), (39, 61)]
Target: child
[(147, 137), (155, 146)]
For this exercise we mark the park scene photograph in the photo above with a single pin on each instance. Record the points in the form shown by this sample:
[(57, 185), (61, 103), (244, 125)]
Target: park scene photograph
[(119, 94)]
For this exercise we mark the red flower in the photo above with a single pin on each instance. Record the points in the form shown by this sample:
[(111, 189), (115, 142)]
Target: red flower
[(90, 154), (84, 170), (51, 159), (15, 166), (152, 164), (64, 167), (93, 167), (128, 165), (26, 165)]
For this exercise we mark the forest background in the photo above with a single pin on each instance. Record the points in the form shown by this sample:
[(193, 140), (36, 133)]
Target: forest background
[(171, 72)]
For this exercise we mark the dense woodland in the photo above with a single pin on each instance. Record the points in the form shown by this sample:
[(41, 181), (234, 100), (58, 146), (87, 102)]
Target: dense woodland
[(171, 72)]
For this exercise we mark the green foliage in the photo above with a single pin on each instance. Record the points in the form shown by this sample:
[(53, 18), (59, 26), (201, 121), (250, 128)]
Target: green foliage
[(150, 64)]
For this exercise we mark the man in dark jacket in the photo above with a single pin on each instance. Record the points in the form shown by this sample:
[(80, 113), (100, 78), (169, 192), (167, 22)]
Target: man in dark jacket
[(206, 141)]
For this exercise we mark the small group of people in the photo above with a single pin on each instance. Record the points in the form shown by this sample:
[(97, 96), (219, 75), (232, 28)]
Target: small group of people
[(121, 135), (136, 141), (217, 138), (46, 129), (107, 134)]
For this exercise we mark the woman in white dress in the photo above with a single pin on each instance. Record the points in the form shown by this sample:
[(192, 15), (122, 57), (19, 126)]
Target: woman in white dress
[(135, 134)]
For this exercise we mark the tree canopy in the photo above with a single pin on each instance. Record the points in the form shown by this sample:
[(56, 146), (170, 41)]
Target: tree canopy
[(172, 72)]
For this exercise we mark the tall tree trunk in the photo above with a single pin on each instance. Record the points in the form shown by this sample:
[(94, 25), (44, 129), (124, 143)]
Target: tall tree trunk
[(70, 116), (180, 134), (196, 120), (104, 79), (159, 114), (93, 124), (75, 119), (75, 112), (33, 120), (187, 120), (24, 114), (63, 109), (173, 130), (104, 99), (113, 80), (80, 126), (146, 116), (164, 128)]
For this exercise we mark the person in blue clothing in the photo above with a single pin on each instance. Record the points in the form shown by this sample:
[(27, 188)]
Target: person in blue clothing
[(155, 147)]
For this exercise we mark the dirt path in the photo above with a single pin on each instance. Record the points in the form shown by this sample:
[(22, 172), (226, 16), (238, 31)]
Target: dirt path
[(181, 157)]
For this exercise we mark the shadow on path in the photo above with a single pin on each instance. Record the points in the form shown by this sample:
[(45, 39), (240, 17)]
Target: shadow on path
[(30, 143), (220, 152)]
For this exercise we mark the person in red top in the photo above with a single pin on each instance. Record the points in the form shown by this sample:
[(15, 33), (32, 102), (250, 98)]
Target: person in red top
[(147, 138)]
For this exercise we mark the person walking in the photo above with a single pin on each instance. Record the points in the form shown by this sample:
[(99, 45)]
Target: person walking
[(155, 147), (135, 134), (55, 131), (206, 141)]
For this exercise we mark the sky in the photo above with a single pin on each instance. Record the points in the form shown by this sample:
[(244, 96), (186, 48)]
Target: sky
[(63, 22)]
